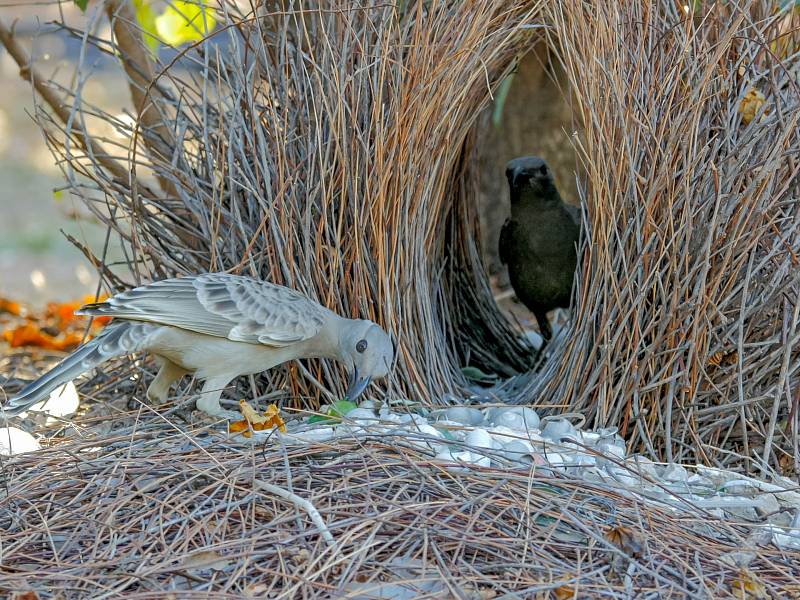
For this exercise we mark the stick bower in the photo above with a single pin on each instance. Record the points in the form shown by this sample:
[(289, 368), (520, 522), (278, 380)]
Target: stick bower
[(331, 147)]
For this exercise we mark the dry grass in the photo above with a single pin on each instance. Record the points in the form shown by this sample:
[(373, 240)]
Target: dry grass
[(686, 330), (157, 509), (331, 148), (333, 152)]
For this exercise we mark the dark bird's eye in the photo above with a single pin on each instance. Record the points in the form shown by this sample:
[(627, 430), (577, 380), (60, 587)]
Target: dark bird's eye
[(361, 346), (543, 169)]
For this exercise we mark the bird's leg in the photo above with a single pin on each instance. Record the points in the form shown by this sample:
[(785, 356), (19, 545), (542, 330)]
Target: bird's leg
[(168, 374), (208, 402), (544, 325)]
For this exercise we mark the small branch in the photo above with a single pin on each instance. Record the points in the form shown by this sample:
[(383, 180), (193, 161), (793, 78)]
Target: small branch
[(299, 502), (138, 67)]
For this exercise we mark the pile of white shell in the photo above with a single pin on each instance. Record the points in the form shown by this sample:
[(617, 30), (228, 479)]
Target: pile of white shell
[(515, 437)]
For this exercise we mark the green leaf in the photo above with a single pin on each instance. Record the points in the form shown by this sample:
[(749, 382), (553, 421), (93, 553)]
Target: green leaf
[(184, 22), (341, 407), (319, 419), (147, 21), (335, 412), (475, 374), (500, 101), (82, 4)]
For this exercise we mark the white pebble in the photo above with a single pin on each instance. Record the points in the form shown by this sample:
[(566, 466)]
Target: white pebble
[(623, 476), (643, 466), (464, 415), (479, 438), (362, 413), (318, 434), (520, 418), (413, 420), (473, 458), (675, 472), (63, 401), (611, 454), (429, 430), (504, 434), (387, 415), (518, 450), (15, 441), (534, 339), (559, 429)]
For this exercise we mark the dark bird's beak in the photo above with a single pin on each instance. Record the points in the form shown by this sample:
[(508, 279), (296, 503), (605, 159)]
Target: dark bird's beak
[(356, 385), (516, 177)]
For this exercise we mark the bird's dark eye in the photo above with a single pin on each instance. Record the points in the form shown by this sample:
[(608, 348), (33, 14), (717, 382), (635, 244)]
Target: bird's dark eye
[(543, 169), (361, 346)]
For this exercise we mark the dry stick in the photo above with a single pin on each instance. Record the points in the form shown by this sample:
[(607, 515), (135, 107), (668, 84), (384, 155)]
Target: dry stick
[(139, 69), (299, 502), (780, 388), (28, 73)]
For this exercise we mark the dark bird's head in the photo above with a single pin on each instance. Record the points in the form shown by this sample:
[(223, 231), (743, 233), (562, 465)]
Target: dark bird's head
[(530, 177)]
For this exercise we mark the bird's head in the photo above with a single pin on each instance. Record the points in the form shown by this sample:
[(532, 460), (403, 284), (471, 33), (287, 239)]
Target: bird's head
[(367, 351), (530, 174)]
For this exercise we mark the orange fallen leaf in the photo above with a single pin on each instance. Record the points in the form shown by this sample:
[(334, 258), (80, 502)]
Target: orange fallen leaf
[(10, 307), (256, 422), (239, 426), (29, 334), (64, 312)]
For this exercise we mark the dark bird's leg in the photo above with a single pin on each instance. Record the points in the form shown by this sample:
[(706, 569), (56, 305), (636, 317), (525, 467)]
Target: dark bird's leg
[(544, 325)]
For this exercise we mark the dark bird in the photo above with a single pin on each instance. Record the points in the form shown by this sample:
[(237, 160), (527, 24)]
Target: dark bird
[(539, 241)]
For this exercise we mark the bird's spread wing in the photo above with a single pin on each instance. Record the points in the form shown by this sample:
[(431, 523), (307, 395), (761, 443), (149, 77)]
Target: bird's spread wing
[(222, 305), (505, 241)]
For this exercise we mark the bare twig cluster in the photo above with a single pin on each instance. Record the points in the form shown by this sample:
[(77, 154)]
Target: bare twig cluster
[(156, 509), (688, 319), (329, 146)]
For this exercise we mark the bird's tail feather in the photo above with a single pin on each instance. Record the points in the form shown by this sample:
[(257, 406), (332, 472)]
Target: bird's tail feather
[(118, 338)]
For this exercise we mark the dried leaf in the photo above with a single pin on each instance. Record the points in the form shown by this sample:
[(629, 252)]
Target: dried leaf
[(723, 358), (787, 41), (239, 426), (751, 104), (747, 586), (30, 334), (205, 559), (625, 539), (29, 595), (250, 413), (564, 592), (64, 313), (270, 420)]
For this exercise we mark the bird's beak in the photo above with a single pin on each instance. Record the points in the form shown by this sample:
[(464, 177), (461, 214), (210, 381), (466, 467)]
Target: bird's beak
[(357, 385)]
